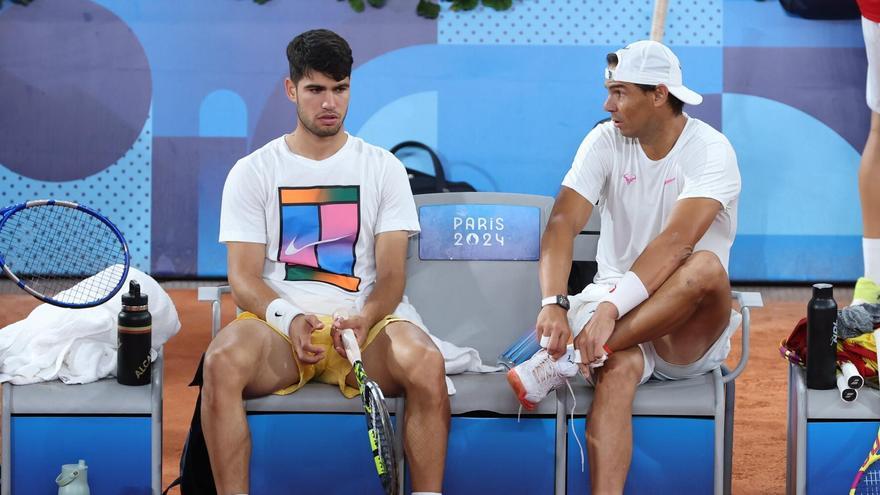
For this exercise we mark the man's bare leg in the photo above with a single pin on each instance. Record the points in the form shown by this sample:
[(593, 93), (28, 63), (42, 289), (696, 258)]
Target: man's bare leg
[(609, 422), (867, 290), (246, 359), (869, 182), (404, 361), (683, 318)]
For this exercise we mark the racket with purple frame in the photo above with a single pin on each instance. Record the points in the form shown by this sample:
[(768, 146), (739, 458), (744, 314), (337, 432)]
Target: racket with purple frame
[(867, 481), (62, 253)]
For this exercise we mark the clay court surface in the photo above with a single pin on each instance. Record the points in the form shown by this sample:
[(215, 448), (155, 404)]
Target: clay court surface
[(759, 429)]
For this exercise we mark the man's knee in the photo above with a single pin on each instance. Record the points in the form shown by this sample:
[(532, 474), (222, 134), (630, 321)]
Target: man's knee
[(422, 365), (226, 365), (427, 374), (622, 371), (704, 272)]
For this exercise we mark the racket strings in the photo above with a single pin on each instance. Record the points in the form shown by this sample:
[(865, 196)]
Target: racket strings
[(384, 432), (870, 482), (52, 248), (380, 422)]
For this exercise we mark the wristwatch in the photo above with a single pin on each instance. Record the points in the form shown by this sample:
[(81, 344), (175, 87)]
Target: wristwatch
[(560, 300)]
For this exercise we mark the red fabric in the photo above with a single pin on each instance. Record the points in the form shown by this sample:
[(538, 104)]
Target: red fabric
[(796, 343), (794, 348), (870, 9), (857, 355)]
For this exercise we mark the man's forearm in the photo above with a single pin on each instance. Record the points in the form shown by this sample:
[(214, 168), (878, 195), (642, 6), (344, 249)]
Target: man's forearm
[(660, 259), (556, 255), (384, 298), (689, 222), (252, 294)]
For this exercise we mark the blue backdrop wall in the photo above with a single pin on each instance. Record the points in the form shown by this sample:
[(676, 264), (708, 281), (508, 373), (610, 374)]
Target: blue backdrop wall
[(140, 107)]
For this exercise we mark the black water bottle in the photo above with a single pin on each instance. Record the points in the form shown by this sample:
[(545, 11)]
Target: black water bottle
[(135, 338), (821, 338)]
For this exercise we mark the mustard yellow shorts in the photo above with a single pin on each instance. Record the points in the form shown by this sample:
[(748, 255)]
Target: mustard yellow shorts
[(333, 368)]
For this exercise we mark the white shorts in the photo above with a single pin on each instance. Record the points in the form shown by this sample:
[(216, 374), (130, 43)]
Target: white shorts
[(655, 366), (871, 30)]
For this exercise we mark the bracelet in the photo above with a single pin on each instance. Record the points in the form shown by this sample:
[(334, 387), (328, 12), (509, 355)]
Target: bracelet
[(279, 314), (629, 293)]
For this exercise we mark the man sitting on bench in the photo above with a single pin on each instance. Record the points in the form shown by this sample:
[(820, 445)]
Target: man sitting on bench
[(317, 221), (666, 186)]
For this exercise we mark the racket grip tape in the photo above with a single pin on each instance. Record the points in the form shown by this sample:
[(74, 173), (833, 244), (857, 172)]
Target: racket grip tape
[(851, 373), (349, 342)]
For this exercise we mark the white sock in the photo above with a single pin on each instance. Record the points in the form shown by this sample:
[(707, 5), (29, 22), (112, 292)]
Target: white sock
[(871, 250), (426, 493)]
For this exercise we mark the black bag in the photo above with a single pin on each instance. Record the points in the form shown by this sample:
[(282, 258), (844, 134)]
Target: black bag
[(196, 477), (581, 275), (422, 183), (822, 9)]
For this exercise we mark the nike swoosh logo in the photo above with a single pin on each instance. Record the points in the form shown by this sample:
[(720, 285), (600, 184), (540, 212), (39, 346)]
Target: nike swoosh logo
[(292, 248), (278, 315), (668, 181)]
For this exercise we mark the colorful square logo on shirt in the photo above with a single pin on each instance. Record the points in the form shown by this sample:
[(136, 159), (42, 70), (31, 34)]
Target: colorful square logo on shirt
[(319, 231)]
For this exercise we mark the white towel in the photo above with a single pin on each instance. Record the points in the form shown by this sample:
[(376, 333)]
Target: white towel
[(457, 359), (78, 345)]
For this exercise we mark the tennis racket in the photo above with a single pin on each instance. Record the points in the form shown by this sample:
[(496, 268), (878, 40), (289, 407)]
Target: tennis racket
[(658, 20), (62, 253), (868, 478), (379, 428)]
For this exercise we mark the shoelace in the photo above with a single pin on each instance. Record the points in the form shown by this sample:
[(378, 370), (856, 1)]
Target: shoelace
[(570, 423), (542, 376), (545, 373), (555, 372)]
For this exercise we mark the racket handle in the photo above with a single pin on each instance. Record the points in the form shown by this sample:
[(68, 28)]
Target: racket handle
[(847, 394), (658, 20), (350, 343), (851, 374)]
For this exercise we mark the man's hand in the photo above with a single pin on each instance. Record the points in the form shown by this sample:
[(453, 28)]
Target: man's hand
[(591, 341), (357, 323), (553, 323), (301, 329)]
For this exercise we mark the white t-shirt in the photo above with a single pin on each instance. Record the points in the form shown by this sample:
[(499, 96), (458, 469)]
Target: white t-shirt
[(318, 219), (635, 195)]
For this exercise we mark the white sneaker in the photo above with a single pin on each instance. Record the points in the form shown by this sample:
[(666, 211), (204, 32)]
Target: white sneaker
[(537, 377)]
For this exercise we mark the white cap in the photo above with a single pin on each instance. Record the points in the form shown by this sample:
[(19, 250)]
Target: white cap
[(650, 62)]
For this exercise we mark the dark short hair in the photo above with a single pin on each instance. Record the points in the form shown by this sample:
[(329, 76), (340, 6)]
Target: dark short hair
[(676, 104), (319, 50)]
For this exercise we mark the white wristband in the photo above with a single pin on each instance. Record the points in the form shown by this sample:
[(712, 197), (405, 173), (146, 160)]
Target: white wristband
[(279, 314), (629, 293)]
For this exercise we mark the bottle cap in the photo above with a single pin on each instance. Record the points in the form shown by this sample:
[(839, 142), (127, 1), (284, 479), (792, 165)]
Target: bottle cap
[(134, 296), (823, 290)]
